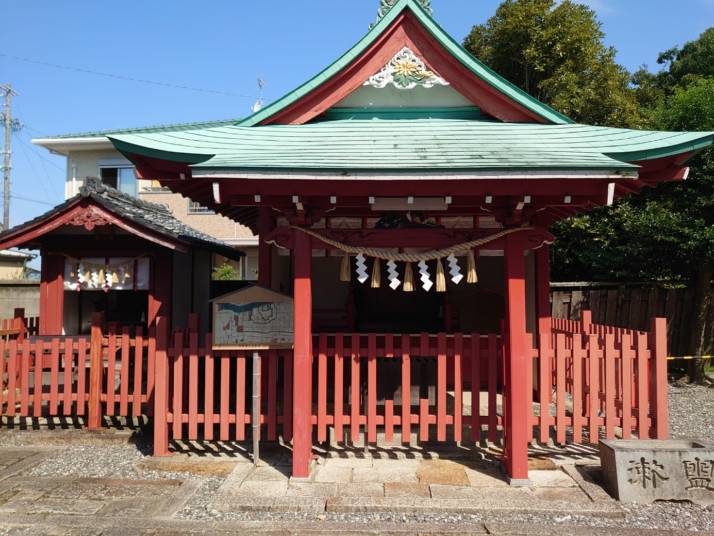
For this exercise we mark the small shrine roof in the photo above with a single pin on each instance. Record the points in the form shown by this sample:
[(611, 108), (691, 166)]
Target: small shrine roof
[(151, 216)]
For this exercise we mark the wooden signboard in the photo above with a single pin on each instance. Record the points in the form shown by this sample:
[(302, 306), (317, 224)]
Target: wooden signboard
[(253, 318)]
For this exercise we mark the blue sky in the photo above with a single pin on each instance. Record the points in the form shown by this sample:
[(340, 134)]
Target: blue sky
[(222, 45)]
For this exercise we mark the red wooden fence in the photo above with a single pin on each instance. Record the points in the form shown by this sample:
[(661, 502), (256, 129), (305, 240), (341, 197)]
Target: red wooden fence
[(624, 377), (587, 381), (52, 377), (18, 327)]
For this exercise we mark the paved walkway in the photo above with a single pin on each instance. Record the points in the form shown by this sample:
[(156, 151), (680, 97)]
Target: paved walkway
[(395, 492)]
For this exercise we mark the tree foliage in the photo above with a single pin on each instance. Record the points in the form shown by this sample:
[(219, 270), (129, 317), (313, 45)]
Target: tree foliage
[(555, 52), (665, 233), (225, 272)]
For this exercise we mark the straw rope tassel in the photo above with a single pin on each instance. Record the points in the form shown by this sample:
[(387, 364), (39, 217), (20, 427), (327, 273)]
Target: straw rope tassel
[(408, 278), (471, 274), (345, 274), (376, 274), (440, 277)]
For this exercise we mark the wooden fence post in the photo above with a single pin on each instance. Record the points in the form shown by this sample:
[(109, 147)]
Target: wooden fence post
[(96, 373), (659, 396), (161, 388), (586, 321), (19, 316)]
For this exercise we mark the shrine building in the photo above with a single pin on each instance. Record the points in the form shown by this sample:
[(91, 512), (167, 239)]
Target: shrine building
[(405, 191)]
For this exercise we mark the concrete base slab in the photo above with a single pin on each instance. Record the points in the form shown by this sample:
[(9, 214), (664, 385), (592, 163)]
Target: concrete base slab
[(312, 489), (551, 479), (266, 488), (496, 505), (406, 489), (392, 473), (341, 474), (285, 504), (365, 489)]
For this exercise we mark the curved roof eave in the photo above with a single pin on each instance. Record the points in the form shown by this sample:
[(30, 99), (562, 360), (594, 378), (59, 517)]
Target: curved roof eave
[(471, 63)]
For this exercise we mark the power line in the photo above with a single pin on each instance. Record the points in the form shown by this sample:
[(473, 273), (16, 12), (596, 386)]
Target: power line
[(126, 78), (30, 200), (45, 177), (37, 153)]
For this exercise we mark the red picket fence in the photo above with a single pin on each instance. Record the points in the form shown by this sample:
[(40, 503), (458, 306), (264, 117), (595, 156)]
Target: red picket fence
[(608, 377), (19, 326), (55, 376), (587, 381), (209, 392), (383, 382)]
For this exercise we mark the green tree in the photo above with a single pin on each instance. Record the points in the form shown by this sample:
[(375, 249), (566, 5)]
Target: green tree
[(555, 52), (665, 233), (693, 60), (225, 272)]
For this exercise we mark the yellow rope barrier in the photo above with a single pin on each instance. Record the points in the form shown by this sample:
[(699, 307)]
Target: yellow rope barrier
[(411, 257)]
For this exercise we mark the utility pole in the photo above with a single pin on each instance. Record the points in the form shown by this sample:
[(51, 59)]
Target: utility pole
[(7, 116)]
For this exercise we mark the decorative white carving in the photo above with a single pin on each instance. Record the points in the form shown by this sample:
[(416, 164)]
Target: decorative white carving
[(406, 71)]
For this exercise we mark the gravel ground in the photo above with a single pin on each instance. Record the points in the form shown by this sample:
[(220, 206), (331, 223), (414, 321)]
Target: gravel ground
[(691, 410)]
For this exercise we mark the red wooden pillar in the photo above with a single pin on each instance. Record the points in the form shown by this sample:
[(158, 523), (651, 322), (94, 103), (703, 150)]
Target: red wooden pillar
[(265, 253), (302, 356), (516, 363), (52, 294), (160, 287), (161, 388)]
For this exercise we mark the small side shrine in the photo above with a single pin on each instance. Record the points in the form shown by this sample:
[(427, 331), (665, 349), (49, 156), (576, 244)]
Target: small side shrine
[(105, 251)]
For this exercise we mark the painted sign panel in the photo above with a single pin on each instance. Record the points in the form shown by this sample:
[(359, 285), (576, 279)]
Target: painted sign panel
[(253, 318)]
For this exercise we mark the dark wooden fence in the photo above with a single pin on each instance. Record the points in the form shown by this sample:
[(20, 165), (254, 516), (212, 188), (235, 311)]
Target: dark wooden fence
[(632, 306)]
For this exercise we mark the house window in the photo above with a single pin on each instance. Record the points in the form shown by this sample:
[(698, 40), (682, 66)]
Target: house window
[(197, 208), (120, 178)]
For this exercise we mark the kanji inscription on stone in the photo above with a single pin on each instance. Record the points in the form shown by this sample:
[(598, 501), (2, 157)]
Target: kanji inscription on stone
[(699, 473), (645, 473)]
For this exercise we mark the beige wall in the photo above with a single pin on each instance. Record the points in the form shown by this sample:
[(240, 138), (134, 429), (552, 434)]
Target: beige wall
[(12, 269), (211, 224), (81, 164)]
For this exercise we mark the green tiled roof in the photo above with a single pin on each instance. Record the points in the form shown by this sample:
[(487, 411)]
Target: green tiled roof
[(411, 144), (476, 67), (173, 127)]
